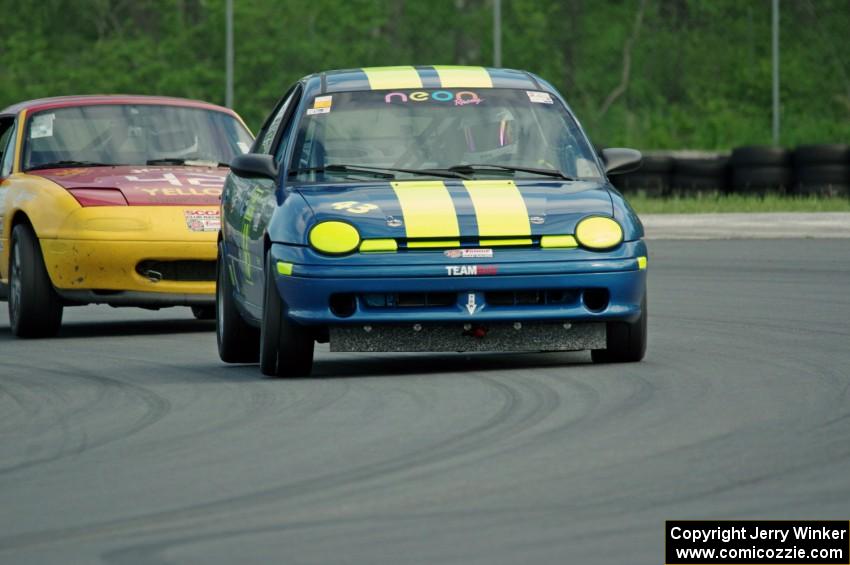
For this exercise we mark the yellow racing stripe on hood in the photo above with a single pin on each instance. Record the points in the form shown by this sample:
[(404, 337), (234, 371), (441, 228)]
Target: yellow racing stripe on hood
[(500, 210), (428, 211), (387, 78), (463, 77)]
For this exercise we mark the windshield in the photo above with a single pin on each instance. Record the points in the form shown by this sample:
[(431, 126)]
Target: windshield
[(436, 130), (131, 134)]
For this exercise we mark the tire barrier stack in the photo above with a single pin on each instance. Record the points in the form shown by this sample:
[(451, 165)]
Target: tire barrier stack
[(822, 169), (816, 170)]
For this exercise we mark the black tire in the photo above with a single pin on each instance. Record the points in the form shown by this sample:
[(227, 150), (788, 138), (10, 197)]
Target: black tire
[(824, 174), (35, 310), (203, 312), (655, 184), (716, 167), (690, 184), (286, 349), (824, 180), (656, 164), (759, 156), (238, 341), (824, 154), (759, 179), (626, 341)]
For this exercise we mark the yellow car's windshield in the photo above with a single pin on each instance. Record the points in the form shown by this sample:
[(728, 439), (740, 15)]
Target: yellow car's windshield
[(131, 134)]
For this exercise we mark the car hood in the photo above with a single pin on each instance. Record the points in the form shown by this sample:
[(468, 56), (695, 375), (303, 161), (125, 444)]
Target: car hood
[(147, 186), (482, 208)]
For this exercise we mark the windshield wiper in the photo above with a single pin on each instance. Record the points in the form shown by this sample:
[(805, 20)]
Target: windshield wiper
[(471, 169), (63, 164), (190, 162), (383, 172)]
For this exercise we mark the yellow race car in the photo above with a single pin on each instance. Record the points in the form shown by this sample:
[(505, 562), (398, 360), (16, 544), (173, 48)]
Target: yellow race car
[(111, 200)]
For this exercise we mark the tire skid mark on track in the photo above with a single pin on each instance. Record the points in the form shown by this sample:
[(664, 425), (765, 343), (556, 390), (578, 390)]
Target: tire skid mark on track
[(76, 441), (356, 478)]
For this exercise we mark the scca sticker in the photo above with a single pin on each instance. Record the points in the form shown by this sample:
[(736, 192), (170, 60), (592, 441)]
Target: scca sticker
[(470, 270), (203, 220)]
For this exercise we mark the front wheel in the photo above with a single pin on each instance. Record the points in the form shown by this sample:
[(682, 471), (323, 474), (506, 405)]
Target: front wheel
[(35, 309), (238, 342), (626, 341), (286, 349)]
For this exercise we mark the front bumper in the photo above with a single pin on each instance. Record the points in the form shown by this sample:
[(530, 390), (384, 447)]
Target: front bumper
[(96, 252), (91, 265), (532, 275)]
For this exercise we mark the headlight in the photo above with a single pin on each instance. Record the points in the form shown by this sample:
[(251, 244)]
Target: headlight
[(334, 238), (597, 232)]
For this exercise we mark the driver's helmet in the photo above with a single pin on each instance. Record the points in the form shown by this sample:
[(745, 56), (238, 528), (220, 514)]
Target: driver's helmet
[(488, 136)]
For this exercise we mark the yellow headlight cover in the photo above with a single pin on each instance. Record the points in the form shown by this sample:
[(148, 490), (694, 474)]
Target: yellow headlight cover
[(334, 238), (598, 232)]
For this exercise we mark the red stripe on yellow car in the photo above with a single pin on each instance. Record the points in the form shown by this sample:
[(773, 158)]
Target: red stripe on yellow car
[(463, 77), (500, 211), (388, 78), (428, 211)]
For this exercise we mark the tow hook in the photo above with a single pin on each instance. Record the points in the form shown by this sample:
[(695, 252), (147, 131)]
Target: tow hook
[(153, 276)]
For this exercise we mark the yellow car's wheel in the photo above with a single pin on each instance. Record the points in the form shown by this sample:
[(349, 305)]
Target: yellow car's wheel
[(35, 309)]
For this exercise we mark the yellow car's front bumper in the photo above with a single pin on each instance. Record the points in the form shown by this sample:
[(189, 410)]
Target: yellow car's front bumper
[(122, 249)]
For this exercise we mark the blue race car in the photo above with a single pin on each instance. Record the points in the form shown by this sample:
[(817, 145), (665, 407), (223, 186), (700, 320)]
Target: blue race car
[(427, 209)]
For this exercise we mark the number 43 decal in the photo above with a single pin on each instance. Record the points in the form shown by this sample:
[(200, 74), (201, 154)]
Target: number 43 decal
[(354, 207)]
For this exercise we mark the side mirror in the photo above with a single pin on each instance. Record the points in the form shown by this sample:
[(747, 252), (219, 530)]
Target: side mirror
[(619, 160), (254, 165)]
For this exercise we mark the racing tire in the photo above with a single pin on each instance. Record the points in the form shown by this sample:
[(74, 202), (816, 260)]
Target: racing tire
[(203, 312), (625, 342), (824, 154), (238, 342), (35, 310), (759, 156), (286, 349), (760, 179)]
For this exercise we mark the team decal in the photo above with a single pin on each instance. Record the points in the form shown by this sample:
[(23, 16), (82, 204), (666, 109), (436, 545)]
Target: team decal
[(203, 220), (461, 98), (470, 270), (354, 207), (477, 253)]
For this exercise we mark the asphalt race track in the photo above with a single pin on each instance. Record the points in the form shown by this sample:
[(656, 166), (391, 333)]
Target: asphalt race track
[(126, 441)]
